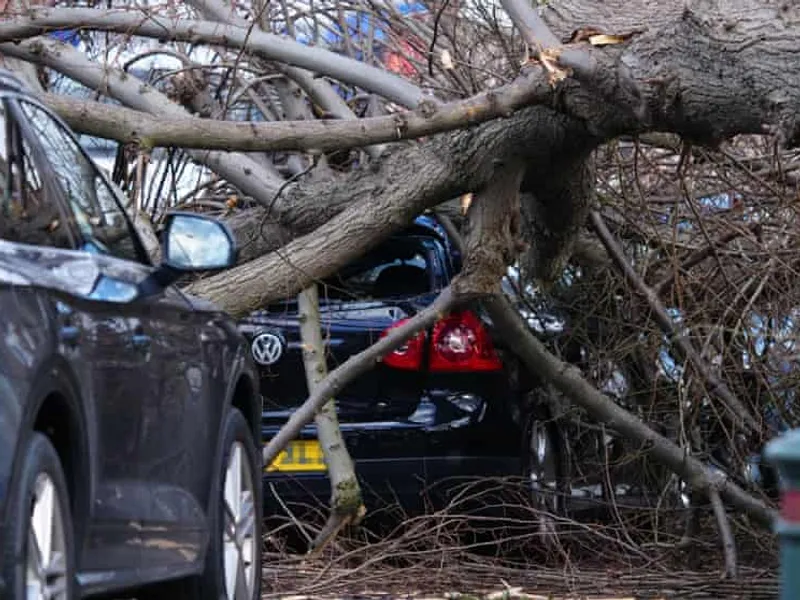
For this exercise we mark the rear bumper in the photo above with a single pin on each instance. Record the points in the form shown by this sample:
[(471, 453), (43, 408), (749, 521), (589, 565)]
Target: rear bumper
[(413, 482)]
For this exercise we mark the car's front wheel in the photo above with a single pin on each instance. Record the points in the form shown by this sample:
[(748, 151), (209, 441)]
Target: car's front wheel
[(240, 516), (233, 559), (39, 550)]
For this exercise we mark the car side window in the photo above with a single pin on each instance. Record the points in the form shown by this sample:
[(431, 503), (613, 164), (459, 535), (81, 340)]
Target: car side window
[(28, 215), (99, 217)]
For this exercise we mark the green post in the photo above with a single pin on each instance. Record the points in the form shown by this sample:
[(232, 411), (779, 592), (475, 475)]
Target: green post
[(784, 454)]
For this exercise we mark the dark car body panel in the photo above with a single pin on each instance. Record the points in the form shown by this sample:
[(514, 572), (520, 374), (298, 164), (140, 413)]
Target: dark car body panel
[(148, 465), (146, 379)]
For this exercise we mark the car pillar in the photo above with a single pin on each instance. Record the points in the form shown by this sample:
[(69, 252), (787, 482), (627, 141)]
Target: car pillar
[(784, 454)]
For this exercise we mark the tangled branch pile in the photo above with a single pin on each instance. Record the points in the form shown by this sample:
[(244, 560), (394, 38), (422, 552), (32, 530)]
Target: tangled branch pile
[(712, 234), (484, 542)]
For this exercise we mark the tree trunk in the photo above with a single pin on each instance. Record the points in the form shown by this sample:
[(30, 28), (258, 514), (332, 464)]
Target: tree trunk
[(346, 504)]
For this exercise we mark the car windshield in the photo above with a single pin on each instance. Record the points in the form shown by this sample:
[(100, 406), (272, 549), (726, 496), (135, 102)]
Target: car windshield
[(399, 267)]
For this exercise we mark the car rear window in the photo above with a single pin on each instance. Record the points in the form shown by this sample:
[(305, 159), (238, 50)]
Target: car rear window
[(399, 267)]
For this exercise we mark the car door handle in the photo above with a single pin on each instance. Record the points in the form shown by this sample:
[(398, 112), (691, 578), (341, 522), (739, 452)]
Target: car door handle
[(140, 342)]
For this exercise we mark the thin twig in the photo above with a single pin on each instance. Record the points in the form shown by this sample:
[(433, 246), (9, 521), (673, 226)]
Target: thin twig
[(737, 410), (728, 543)]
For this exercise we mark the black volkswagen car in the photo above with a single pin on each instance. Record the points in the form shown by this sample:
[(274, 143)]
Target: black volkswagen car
[(129, 412), (442, 407)]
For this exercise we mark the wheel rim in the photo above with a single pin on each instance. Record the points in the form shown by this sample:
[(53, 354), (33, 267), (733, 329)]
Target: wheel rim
[(542, 475), (46, 560), (541, 464), (239, 526)]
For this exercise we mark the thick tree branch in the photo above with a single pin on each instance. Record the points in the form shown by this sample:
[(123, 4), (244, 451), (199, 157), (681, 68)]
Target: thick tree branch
[(317, 88), (380, 202), (346, 502), (126, 125), (492, 237), (674, 88), (240, 170), (534, 31), (558, 194), (265, 45)]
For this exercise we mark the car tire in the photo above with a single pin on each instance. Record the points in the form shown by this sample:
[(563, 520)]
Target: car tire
[(233, 562), (544, 472), (40, 519)]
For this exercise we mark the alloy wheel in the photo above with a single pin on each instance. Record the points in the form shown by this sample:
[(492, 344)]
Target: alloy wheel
[(239, 526), (542, 474), (46, 560)]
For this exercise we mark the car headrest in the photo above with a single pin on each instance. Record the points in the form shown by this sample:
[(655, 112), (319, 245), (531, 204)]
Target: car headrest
[(401, 280)]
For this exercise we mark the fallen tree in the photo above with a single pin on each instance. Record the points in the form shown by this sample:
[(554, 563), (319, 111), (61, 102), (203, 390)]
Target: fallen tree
[(705, 70)]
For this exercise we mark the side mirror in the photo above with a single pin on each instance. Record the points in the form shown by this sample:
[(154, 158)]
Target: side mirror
[(194, 242), (191, 243)]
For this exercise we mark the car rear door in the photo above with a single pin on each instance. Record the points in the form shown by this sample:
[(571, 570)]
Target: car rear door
[(182, 413)]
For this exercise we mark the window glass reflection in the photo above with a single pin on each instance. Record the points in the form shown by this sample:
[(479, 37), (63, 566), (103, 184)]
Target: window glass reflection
[(198, 243), (99, 217), (27, 214)]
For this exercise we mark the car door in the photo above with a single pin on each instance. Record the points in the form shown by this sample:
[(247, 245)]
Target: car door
[(167, 405), (93, 329), (178, 438), (122, 351)]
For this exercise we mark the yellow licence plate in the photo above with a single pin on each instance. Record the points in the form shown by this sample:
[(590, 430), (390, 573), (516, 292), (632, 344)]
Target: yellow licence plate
[(299, 455)]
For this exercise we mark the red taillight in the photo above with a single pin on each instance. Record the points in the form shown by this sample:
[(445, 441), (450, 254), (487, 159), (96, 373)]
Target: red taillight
[(790, 506), (408, 356), (459, 343)]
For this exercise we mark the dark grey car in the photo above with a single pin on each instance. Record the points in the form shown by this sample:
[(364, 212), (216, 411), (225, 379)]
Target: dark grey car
[(129, 417)]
